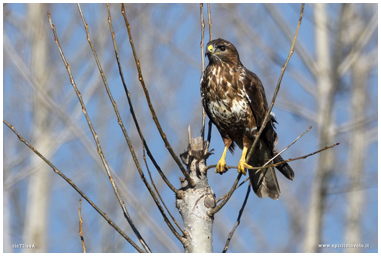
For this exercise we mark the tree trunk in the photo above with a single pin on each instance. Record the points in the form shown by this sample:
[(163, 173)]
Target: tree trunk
[(355, 198), (36, 217), (195, 203), (325, 164)]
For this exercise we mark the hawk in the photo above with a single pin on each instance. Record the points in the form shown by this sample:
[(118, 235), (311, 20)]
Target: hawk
[(235, 101)]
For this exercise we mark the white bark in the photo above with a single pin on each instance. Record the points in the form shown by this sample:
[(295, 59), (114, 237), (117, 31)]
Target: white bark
[(196, 202), (325, 89), (355, 198), (36, 217)]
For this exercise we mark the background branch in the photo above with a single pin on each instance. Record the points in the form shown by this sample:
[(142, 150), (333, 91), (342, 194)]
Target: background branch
[(277, 88), (38, 100), (238, 220), (163, 136), (132, 109), (131, 149), (99, 149), (71, 183)]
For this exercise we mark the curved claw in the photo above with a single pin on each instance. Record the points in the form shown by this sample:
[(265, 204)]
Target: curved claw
[(221, 166), (242, 165)]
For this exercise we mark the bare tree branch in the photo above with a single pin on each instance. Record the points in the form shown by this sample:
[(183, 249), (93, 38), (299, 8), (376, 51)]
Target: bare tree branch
[(163, 136), (306, 57), (226, 197), (203, 67), (132, 108), (363, 39), (266, 165), (298, 110), (109, 221), (158, 194), (270, 52), (292, 143), (202, 62), (46, 99), (277, 88), (99, 149), (80, 227), (210, 23), (238, 220), (351, 125), (131, 149), (298, 158), (202, 37)]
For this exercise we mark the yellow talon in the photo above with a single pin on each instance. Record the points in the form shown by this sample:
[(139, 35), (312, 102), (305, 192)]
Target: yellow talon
[(221, 165), (242, 162)]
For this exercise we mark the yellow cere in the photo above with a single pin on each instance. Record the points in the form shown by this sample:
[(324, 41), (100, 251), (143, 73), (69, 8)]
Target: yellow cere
[(210, 48)]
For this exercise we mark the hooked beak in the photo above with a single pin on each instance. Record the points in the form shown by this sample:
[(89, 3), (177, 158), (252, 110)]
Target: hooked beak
[(209, 50)]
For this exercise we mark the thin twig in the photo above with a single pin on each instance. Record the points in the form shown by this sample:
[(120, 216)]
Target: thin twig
[(202, 63), (115, 188), (243, 182), (266, 164), (209, 134), (301, 157), (227, 197), (130, 146), (80, 227), (157, 192), (210, 23), (162, 134), (277, 87), (304, 54), (132, 109), (292, 143), (238, 220), (109, 221), (204, 113), (202, 37), (280, 163)]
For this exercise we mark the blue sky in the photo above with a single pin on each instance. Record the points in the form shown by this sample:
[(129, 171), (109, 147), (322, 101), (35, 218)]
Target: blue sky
[(181, 106)]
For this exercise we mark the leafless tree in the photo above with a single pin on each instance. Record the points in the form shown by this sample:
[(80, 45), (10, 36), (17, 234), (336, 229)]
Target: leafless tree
[(338, 69)]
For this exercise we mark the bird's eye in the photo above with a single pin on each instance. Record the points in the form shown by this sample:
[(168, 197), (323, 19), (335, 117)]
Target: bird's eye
[(222, 48)]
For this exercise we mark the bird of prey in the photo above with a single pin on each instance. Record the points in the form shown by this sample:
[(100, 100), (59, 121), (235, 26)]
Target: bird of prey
[(235, 101)]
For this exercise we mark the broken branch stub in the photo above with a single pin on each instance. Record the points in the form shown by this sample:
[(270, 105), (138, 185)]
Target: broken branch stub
[(195, 202)]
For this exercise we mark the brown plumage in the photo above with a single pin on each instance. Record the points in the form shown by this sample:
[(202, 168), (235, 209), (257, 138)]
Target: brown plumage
[(235, 101)]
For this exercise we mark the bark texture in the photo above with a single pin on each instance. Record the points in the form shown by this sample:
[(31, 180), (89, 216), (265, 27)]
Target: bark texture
[(195, 202)]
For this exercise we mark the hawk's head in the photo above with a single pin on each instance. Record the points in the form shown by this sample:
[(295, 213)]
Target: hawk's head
[(221, 51)]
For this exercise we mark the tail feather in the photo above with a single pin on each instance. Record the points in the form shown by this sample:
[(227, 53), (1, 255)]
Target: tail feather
[(265, 183), (285, 169)]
